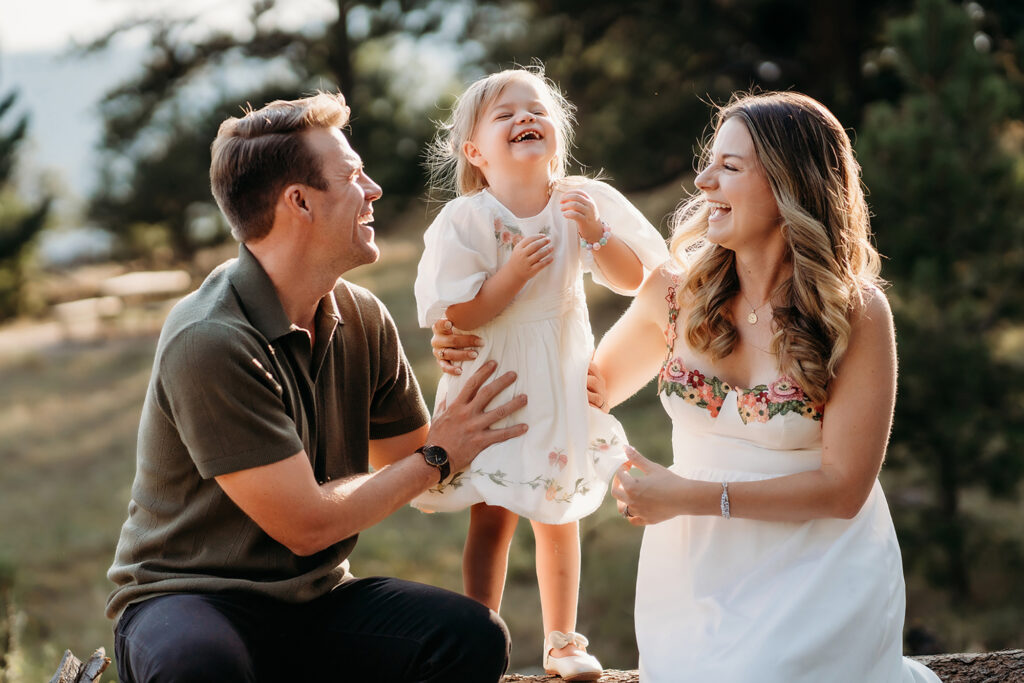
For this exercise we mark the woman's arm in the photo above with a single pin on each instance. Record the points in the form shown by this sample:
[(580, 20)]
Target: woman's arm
[(855, 432), (632, 351), (529, 257)]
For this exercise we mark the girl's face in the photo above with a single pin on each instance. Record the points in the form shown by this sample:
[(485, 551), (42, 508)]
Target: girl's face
[(513, 133), (744, 212)]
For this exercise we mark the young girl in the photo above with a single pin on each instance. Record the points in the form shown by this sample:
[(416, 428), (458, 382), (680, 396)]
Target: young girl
[(505, 259)]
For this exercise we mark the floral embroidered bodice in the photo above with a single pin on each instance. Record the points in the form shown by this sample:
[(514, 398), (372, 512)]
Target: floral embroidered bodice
[(756, 404)]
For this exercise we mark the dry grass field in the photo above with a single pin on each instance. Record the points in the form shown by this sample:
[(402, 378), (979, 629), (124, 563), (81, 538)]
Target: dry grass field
[(67, 448)]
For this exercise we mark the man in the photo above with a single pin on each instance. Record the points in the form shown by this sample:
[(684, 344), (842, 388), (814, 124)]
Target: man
[(274, 386)]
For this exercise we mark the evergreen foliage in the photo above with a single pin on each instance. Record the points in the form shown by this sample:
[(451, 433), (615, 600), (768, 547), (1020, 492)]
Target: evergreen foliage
[(945, 168), (157, 134), (19, 224)]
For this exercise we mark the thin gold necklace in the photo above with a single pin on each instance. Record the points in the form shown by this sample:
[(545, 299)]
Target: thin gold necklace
[(752, 316)]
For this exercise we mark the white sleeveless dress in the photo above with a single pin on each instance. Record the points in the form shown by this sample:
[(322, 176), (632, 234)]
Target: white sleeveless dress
[(745, 601), (558, 472)]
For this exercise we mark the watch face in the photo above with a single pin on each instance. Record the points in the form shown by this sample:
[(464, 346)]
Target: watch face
[(435, 455)]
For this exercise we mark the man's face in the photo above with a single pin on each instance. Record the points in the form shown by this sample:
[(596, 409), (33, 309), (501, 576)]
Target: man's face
[(344, 211)]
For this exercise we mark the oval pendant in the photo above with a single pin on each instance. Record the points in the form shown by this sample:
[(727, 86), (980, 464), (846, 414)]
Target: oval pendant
[(752, 318)]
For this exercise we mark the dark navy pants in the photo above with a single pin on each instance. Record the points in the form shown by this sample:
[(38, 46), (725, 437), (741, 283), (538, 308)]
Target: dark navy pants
[(375, 629)]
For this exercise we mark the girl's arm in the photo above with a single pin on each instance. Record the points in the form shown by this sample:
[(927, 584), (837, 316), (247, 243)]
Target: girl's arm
[(529, 257), (855, 432), (631, 352), (617, 261)]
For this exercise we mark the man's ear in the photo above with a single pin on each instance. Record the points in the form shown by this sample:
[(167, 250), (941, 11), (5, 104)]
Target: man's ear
[(473, 154), (295, 198)]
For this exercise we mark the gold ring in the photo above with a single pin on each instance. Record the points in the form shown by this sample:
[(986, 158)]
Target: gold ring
[(626, 513)]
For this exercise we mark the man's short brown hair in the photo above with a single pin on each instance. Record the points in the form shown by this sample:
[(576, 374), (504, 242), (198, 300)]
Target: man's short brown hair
[(256, 156)]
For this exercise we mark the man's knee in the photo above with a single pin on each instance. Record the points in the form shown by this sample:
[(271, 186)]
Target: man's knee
[(482, 642), (175, 639), (492, 637)]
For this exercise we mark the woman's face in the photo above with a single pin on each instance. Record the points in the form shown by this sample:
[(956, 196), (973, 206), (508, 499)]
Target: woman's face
[(744, 213)]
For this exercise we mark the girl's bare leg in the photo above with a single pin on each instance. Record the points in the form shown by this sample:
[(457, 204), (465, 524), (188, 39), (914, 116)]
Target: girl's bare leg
[(485, 557), (558, 576)]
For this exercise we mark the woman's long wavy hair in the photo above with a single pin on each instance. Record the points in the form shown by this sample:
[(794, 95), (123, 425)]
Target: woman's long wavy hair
[(450, 171), (809, 162)]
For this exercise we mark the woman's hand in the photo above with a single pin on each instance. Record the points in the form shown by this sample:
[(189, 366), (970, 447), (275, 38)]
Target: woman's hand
[(451, 347), (652, 498), (597, 391)]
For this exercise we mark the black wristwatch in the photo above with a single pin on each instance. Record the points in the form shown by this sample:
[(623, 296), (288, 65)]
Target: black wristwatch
[(436, 457)]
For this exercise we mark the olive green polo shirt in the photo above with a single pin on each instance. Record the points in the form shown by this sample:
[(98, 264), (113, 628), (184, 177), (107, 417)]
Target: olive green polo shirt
[(236, 385)]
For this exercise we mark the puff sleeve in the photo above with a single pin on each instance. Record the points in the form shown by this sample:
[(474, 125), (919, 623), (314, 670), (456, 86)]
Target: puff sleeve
[(459, 253), (628, 225)]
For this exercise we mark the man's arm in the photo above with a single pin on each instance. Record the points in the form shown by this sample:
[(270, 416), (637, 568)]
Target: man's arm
[(392, 449), (284, 499)]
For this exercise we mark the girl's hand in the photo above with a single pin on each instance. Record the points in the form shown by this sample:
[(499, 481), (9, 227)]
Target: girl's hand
[(597, 392), (530, 256), (649, 499), (451, 347), (578, 206)]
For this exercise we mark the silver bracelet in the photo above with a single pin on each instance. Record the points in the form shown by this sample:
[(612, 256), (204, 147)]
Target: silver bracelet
[(725, 499)]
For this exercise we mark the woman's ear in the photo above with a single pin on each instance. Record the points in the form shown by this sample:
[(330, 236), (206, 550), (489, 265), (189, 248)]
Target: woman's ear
[(473, 155)]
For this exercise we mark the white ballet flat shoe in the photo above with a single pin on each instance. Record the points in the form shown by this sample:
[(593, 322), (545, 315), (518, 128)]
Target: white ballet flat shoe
[(582, 667)]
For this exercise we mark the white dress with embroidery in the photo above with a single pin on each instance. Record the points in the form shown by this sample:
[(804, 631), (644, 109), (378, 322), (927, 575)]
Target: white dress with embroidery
[(559, 470), (746, 601)]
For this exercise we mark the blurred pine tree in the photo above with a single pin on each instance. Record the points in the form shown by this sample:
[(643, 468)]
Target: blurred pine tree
[(945, 168), (19, 224)]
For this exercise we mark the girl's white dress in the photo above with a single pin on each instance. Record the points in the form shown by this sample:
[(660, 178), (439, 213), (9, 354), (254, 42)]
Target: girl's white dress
[(559, 470), (745, 601)]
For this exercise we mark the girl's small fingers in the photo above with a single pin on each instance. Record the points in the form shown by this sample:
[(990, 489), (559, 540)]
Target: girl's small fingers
[(544, 260), (540, 255), (536, 246)]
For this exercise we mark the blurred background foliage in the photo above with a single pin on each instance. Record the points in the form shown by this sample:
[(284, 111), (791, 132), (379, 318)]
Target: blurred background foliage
[(931, 90)]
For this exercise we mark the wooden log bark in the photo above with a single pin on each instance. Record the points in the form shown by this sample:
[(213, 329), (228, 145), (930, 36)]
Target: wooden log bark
[(978, 667), (1006, 666), (72, 670)]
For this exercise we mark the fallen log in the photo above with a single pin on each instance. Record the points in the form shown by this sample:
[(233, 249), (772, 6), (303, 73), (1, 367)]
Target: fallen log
[(1006, 666), (73, 670)]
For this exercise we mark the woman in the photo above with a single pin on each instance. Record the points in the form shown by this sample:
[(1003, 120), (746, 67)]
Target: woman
[(769, 554)]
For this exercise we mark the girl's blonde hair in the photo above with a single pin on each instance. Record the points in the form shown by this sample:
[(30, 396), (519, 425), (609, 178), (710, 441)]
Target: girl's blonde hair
[(809, 162), (451, 172)]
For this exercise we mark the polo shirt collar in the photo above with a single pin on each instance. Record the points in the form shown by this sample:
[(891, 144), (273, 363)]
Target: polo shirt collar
[(260, 301)]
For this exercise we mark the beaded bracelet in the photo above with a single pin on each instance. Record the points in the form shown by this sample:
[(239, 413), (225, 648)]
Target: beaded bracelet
[(596, 246), (725, 499)]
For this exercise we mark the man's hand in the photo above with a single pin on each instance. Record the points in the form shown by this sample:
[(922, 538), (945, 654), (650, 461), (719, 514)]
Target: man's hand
[(451, 346), (463, 428)]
